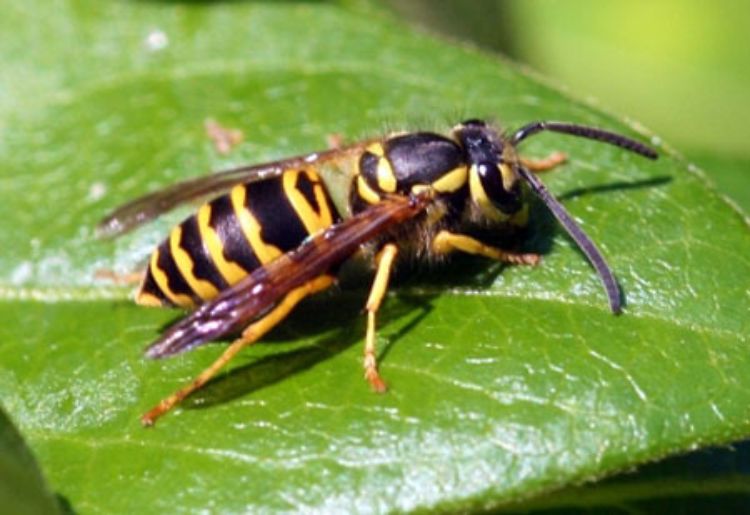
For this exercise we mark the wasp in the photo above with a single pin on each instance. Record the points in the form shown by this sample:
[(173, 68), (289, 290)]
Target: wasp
[(278, 232)]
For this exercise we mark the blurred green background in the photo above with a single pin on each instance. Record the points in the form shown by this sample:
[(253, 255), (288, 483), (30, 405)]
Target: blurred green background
[(681, 67)]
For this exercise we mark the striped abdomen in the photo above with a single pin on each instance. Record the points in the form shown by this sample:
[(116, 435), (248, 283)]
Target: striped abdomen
[(234, 234)]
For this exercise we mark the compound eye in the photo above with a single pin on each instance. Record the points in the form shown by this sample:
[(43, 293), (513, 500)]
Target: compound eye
[(491, 179)]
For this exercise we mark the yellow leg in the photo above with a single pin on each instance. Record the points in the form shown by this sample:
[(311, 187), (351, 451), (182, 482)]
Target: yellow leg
[(126, 279), (249, 336), (545, 163), (385, 259), (446, 242)]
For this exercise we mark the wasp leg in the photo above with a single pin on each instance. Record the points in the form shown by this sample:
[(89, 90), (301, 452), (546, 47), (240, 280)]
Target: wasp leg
[(249, 336), (545, 163), (385, 259), (446, 242), (127, 279)]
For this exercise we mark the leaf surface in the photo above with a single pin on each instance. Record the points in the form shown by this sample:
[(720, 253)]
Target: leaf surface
[(23, 490), (505, 382)]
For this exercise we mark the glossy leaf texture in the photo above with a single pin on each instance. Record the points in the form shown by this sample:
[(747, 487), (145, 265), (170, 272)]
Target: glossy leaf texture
[(506, 383)]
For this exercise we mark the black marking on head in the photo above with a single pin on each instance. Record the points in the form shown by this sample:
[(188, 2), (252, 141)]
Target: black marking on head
[(480, 144), (508, 202)]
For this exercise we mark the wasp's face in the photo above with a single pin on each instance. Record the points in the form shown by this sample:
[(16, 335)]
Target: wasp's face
[(494, 182)]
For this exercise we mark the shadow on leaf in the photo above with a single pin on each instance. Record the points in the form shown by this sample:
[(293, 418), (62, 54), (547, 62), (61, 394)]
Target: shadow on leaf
[(345, 326), (614, 186)]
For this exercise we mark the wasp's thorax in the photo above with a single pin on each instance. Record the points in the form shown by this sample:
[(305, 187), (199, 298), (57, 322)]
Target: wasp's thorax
[(494, 182)]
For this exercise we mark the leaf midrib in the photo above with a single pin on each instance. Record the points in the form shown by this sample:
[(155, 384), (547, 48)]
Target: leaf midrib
[(53, 295)]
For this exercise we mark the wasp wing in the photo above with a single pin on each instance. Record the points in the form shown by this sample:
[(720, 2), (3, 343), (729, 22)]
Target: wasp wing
[(236, 307), (141, 210)]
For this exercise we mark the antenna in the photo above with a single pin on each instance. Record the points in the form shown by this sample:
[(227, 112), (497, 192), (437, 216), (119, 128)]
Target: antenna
[(584, 242), (582, 131)]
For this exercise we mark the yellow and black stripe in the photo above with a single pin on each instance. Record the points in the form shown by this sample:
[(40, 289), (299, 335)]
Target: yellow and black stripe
[(234, 234)]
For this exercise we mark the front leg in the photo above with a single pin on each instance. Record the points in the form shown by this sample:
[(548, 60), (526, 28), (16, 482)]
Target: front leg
[(446, 242), (125, 279), (544, 164)]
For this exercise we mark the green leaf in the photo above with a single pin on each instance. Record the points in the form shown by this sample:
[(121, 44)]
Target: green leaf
[(23, 490), (732, 176), (505, 382), (705, 481)]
